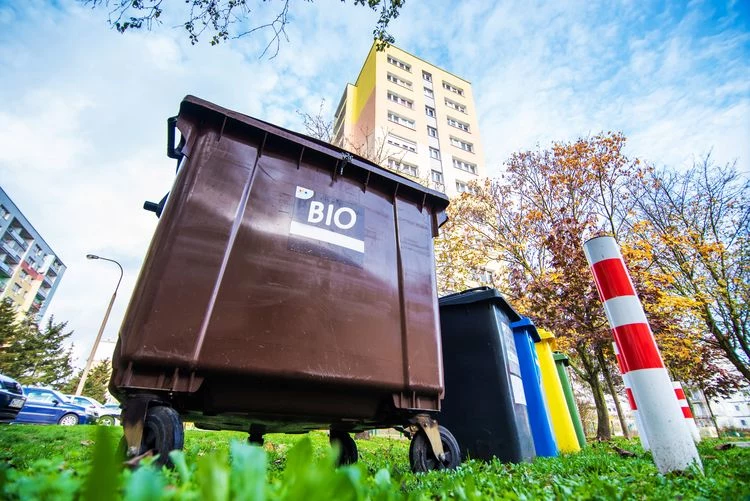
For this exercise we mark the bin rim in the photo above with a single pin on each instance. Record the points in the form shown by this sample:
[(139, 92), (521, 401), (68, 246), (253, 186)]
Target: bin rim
[(525, 324), (195, 106), (478, 294), (557, 355)]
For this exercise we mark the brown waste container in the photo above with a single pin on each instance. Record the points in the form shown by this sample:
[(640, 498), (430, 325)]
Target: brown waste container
[(289, 286)]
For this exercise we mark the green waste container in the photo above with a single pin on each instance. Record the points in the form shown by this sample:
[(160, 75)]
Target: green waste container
[(561, 361)]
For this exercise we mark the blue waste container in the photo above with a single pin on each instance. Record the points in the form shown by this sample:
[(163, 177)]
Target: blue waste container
[(525, 336)]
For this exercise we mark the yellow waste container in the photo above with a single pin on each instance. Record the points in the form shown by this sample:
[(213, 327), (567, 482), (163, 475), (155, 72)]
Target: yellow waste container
[(562, 423)]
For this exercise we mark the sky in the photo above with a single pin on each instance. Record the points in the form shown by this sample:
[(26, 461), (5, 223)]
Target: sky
[(83, 109)]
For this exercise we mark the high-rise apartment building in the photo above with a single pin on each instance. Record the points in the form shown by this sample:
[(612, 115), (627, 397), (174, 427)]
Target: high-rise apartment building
[(411, 116), (29, 270)]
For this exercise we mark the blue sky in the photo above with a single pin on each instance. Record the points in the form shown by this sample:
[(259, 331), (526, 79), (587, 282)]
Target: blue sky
[(83, 108)]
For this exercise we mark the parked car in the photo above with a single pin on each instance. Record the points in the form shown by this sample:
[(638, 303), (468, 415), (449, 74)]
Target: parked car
[(107, 415), (110, 414), (47, 406), (11, 398)]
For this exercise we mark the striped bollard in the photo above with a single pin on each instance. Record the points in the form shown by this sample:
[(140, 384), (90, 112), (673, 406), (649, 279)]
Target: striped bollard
[(642, 433), (671, 444), (686, 412)]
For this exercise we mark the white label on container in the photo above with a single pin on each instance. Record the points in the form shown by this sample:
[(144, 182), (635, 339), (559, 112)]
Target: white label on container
[(516, 383), (327, 227)]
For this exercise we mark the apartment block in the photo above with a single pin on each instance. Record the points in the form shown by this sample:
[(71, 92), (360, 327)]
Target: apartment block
[(412, 117), (30, 271)]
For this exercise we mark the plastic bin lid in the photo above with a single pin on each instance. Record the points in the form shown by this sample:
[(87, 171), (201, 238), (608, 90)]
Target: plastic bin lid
[(479, 294), (526, 324), (202, 109), (561, 356), (545, 334)]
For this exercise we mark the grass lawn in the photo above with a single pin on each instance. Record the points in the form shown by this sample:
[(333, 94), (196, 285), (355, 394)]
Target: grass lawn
[(55, 462)]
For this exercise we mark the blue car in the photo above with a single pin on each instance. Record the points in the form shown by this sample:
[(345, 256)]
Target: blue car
[(11, 399), (47, 406)]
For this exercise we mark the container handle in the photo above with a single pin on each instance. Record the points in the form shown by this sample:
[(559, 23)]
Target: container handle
[(474, 289), (172, 150)]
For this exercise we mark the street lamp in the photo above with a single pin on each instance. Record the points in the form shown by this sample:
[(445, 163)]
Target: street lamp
[(86, 369)]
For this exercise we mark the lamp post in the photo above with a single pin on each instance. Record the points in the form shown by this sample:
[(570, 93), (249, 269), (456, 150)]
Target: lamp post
[(86, 369)]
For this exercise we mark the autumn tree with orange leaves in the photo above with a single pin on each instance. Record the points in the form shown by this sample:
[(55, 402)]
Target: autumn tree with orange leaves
[(530, 225), (695, 230)]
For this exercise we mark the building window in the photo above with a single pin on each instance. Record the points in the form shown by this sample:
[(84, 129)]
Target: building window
[(454, 105), (426, 76), (431, 131), (744, 423), (16, 288), (402, 143), (392, 96), (453, 88), (437, 176), (399, 81), (464, 166), (404, 167), (24, 275), (462, 144), (736, 407), (463, 187), (4, 213), (399, 63), (435, 153), (400, 120), (430, 111), (429, 93), (458, 124)]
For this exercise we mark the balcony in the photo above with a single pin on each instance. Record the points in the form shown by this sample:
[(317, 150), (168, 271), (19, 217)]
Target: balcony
[(54, 270), (50, 279), (42, 293), (5, 270), (11, 249), (13, 232)]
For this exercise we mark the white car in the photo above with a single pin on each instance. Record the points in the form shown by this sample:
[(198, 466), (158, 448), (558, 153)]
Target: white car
[(106, 415)]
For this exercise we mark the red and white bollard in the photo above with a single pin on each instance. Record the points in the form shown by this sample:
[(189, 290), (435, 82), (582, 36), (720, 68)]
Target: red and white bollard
[(686, 412), (642, 433), (671, 443)]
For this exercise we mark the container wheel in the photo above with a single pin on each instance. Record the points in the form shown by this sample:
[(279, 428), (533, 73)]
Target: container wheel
[(422, 458), (162, 433), (347, 447)]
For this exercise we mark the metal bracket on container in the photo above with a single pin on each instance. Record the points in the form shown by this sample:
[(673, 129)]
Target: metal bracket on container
[(346, 158), (133, 419), (430, 427)]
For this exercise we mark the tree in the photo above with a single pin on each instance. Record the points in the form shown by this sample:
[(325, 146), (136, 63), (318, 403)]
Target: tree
[(532, 223), (34, 356), (97, 382), (696, 224), (225, 19)]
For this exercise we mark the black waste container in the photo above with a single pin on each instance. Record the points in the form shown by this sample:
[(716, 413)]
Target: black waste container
[(484, 404)]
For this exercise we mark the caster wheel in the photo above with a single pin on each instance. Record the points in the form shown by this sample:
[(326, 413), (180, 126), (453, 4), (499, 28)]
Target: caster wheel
[(347, 447), (422, 458), (162, 433)]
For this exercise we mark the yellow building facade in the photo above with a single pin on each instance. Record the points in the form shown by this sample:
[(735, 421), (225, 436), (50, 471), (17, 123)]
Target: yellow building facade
[(412, 117)]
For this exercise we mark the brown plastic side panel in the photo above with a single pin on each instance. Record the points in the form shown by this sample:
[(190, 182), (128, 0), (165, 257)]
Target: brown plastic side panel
[(224, 291)]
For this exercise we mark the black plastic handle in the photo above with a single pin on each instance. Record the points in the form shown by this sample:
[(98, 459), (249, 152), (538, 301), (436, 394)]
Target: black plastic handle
[(172, 150)]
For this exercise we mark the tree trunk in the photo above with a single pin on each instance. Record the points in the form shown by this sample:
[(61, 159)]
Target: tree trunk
[(611, 387), (590, 374), (603, 430)]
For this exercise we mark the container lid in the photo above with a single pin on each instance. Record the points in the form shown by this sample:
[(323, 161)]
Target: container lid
[(545, 334), (477, 295), (207, 111), (526, 324), (561, 356)]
